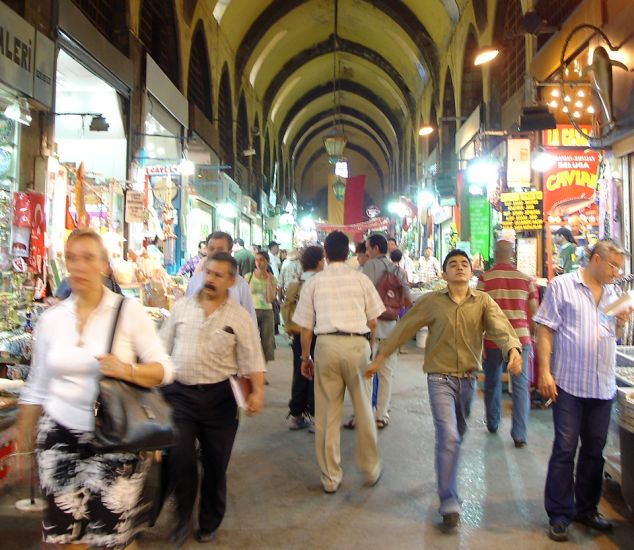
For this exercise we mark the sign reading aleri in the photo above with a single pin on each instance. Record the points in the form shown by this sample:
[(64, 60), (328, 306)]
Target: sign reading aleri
[(522, 211)]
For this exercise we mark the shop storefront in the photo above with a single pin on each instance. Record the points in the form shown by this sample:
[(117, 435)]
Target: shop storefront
[(202, 195), (247, 220), (229, 206)]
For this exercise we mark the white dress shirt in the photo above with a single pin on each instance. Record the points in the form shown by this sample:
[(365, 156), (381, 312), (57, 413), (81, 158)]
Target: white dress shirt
[(208, 350), (339, 299), (240, 291), (64, 376)]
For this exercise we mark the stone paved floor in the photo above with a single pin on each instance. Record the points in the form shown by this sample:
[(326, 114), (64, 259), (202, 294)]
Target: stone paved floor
[(276, 502)]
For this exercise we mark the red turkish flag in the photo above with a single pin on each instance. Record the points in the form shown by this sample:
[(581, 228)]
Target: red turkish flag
[(37, 249), (353, 200)]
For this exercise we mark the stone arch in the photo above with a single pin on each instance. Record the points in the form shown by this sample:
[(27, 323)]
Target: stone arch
[(110, 17), (199, 75), (225, 119), (159, 34), (266, 165), (242, 127), (471, 89)]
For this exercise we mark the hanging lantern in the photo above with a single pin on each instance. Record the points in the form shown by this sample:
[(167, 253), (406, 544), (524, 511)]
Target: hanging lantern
[(334, 147), (339, 189)]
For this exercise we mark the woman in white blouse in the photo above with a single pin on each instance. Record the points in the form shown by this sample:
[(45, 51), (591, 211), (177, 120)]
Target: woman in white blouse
[(93, 498)]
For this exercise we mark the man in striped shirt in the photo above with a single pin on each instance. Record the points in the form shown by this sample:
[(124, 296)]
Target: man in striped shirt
[(576, 345), (516, 295)]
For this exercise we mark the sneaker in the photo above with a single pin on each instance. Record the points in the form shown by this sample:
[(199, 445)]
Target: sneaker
[(520, 444), (558, 531), (594, 520), (298, 422), (311, 423)]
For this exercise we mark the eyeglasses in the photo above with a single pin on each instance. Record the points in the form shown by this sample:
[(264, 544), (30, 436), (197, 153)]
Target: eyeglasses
[(616, 268)]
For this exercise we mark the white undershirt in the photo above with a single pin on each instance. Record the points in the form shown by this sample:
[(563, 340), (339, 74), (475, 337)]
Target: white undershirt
[(65, 373)]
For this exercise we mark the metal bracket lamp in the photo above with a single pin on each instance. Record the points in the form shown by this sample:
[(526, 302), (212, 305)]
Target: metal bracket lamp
[(98, 123)]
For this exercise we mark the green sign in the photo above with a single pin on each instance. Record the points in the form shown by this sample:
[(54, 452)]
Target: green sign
[(480, 220)]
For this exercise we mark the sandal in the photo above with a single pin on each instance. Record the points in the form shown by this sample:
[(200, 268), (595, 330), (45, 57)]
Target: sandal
[(350, 425), (380, 424)]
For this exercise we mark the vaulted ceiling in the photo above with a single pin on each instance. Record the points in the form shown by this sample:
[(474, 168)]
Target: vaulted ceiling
[(386, 54)]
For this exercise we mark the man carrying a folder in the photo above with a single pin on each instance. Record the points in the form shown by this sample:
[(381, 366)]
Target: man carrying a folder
[(457, 318), (210, 338), (576, 347)]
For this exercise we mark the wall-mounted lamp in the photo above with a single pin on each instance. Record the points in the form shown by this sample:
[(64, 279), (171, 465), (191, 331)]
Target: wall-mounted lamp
[(485, 55), (426, 131), (19, 111)]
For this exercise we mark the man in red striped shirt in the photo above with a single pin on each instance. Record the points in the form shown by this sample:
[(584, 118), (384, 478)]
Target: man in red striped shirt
[(516, 295)]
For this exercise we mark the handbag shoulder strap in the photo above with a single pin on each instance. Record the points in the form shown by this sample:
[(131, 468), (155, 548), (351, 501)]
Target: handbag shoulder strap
[(115, 323)]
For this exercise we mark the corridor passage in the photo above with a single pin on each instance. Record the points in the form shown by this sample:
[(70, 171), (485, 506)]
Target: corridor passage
[(276, 501)]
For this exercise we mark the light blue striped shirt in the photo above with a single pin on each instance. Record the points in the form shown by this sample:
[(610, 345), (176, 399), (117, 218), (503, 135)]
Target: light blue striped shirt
[(584, 343)]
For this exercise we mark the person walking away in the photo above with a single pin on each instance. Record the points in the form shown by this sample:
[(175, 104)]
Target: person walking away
[(189, 267), (451, 363), (516, 294), (262, 285), (275, 265), (302, 403), (576, 350), (219, 241), (290, 271), (94, 498), (246, 260), (361, 254), (210, 338), (377, 268), (339, 306)]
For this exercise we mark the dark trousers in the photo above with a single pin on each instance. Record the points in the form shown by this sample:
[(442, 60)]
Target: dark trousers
[(302, 390), (568, 492), (207, 413)]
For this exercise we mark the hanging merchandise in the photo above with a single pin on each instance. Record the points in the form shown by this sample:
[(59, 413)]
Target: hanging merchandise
[(37, 248), (21, 227)]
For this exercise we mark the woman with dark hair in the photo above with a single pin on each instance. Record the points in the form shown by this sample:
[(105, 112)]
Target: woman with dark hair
[(567, 247), (262, 284)]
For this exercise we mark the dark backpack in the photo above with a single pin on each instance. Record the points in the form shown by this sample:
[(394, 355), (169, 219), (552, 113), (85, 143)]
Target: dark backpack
[(390, 289)]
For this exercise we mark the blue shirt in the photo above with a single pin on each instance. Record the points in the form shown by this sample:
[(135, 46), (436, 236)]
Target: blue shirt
[(584, 344), (239, 292)]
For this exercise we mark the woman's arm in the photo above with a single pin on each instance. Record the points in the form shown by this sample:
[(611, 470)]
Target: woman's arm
[(270, 288)]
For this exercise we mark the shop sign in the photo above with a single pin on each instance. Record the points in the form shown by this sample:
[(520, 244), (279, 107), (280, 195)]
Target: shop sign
[(249, 206), (480, 221), (17, 42), (518, 166), (134, 207), (522, 211), (565, 135), (572, 182), (44, 69), (231, 192)]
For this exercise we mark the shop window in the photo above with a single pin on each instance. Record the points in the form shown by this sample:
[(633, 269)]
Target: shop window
[(110, 18), (555, 12), (199, 79), (157, 31), (471, 91), (225, 118), (508, 71)]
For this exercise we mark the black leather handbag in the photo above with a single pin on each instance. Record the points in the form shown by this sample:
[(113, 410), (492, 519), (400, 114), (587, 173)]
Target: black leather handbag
[(130, 418)]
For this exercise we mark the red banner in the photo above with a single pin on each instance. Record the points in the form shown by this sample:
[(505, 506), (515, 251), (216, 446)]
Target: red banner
[(571, 183), (37, 249), (353, 201)]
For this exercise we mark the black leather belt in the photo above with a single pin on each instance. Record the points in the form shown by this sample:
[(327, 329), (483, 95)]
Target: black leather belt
[(366, 335)]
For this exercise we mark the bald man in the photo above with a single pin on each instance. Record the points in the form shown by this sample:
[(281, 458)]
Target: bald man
[(516, 295)]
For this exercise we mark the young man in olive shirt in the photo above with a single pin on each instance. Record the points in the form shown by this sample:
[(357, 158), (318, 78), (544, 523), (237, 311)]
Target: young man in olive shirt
[(457, 318)]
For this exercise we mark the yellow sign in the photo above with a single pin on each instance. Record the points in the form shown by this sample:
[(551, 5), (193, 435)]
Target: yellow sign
[(522, 211), (565, 136)]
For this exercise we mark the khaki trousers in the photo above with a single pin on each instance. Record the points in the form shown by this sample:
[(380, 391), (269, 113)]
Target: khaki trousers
[(340, 362)]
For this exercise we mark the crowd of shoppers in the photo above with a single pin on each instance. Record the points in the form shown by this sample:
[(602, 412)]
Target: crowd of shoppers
[(342, 335)]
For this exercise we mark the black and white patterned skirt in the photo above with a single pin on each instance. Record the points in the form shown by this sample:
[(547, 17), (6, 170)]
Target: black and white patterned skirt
[(92, 498)]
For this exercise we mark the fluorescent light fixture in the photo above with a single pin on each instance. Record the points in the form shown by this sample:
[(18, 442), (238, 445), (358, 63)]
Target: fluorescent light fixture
[(341, 168), (227, 210), (482, 171), (543, 161), (186, 168), (485, 55), (426, 130)]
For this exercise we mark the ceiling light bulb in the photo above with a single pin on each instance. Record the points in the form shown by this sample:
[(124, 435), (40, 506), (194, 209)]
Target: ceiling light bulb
[(564, 109), (425, 131), (576, 114), (486, 55), (553, 104), (579, 104), (567, 98), (555, 92), (590, 109), (581, 93)]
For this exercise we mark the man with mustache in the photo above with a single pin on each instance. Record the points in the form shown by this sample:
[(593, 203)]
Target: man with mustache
[(210, 338)]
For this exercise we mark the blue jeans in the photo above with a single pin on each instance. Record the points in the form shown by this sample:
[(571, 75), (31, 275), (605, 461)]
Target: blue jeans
[(493, 365), (450, 401), (568, 492)]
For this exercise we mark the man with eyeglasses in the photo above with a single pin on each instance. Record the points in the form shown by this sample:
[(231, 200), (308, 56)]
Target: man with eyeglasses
[(576, 346)]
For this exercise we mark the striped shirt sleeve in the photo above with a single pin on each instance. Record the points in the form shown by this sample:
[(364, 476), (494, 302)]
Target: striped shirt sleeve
[(549, 311)]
